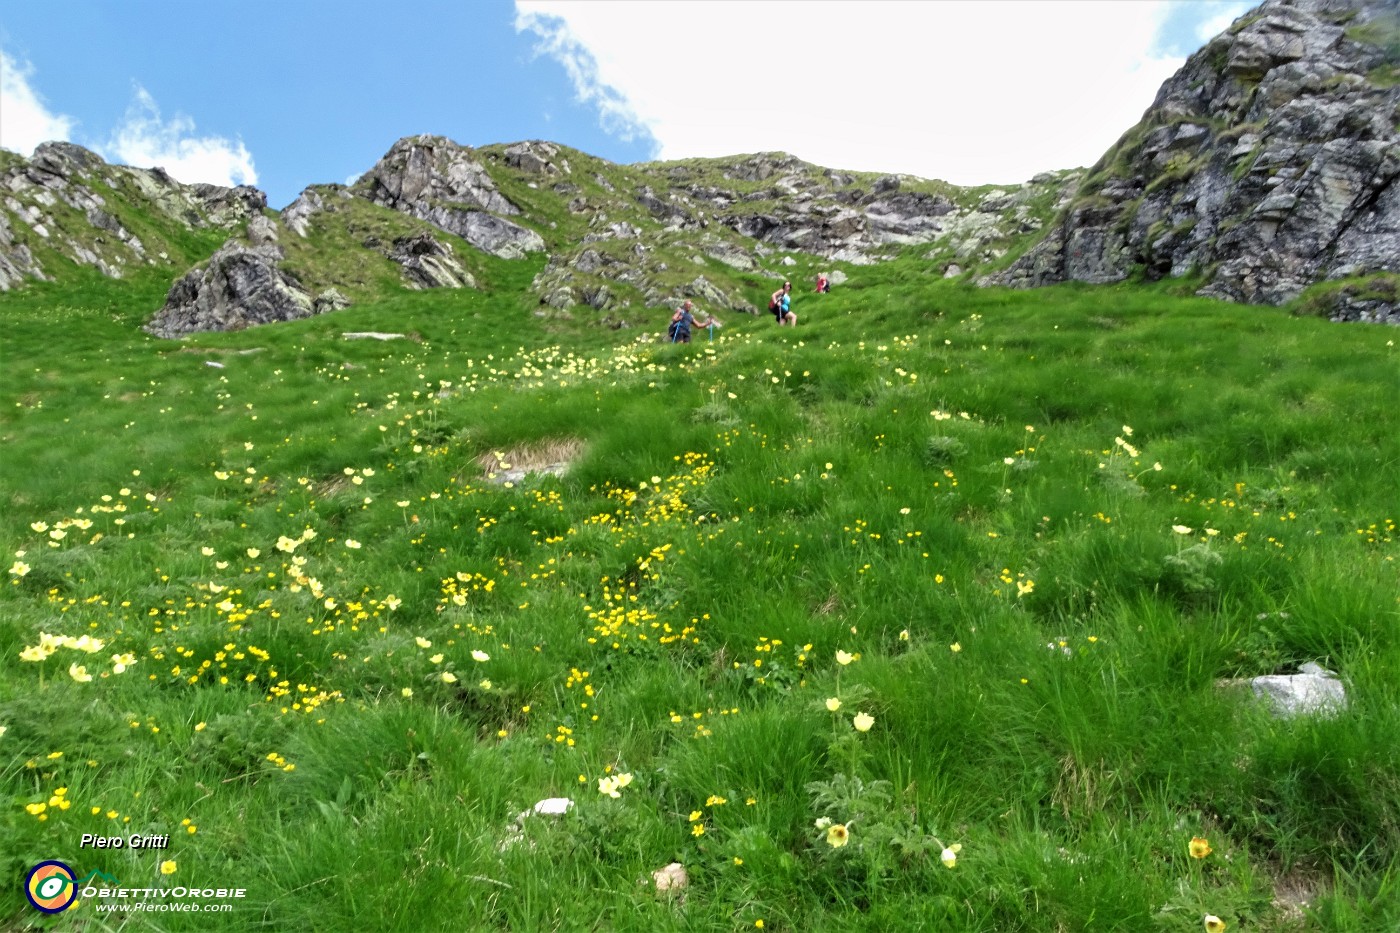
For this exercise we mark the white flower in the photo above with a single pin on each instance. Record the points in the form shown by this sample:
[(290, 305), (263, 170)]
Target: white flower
[(950, 854), (480, 656)]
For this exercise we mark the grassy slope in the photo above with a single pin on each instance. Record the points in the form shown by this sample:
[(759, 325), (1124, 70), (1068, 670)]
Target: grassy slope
[(742, 510)]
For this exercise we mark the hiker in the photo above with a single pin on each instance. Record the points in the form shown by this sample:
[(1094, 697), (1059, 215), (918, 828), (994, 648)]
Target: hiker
[(781, 305), (823, 283), (683, 320)]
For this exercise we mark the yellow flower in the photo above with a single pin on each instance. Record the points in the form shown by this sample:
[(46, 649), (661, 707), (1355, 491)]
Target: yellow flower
[(120, 662), (1199, 848), (252, 552), (168, 867), (950, 854), (79, 673), (1213, 924), (863, 722), (448, 677), (609, 786), (36, 808), (423, 642), (833, 704), (843, 658), (406, 692), (696, 814), (35, 653), (200, 726), (480, 656), (698, 829), (19, 568), (436, 659), (1181, 529), (955, 647), (904, 634), (837, 835)]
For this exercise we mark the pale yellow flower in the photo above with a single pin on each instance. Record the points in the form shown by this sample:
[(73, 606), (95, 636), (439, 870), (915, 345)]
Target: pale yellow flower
[(35, 653), (837, 835), (448, 677), (950, 854), (253, 552), (19, 568), (843, 658), (863, 722), (79, 673), (406, 692), (479, 655), (1199, 847), (1213, 924), (833, 703), (422, 642), (1181, 529)]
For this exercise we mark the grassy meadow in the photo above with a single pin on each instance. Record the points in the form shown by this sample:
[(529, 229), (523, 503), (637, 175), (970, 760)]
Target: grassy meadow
[(915, 616)]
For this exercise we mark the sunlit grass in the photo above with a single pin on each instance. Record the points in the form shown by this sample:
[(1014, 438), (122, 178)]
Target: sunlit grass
[(1041, 528)]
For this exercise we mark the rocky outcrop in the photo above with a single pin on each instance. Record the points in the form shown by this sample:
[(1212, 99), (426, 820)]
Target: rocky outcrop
[(239, 286), (1266, 164), (438, 181), (429, 263)]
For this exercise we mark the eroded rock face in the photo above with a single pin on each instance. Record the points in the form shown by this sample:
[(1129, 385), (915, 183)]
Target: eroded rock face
[(239, 286), (1268, 162)]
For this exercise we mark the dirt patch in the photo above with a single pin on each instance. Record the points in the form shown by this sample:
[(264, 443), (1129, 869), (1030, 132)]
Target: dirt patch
[(512, 464), (1295, 891)]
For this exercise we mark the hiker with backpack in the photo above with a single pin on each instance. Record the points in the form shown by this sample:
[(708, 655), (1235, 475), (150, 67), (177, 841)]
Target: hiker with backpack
[(781, 305), (683, 320)]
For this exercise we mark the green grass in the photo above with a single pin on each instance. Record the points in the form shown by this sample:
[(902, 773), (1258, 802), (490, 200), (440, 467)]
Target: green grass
[(972, 491)]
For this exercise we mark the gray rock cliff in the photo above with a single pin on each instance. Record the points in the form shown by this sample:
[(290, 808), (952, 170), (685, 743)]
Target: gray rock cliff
[(1266, 164)]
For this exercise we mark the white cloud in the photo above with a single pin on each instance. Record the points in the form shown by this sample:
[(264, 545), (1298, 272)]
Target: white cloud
[(560, 43), (25, 120), (968, 92), (145, 140)]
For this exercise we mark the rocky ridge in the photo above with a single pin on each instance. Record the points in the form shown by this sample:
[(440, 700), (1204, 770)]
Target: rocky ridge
[(1268, 163), (1266, 166), (66, 205)]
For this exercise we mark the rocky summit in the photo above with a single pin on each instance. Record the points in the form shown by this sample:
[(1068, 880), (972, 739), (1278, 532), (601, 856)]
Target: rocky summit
[(1264, 171), (1266, 164)]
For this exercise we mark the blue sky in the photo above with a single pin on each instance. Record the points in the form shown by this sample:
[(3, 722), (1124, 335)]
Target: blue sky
[(290, 93)]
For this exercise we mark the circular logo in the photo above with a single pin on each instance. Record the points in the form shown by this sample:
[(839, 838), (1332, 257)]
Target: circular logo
[(50, 887)]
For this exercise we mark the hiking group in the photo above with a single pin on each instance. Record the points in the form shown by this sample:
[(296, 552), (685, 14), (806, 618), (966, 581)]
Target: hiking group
[(779, 303)]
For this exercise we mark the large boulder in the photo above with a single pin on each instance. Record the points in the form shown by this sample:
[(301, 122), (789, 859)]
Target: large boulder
[(239, 286)]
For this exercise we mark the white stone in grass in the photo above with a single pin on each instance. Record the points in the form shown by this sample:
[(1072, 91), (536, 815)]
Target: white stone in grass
[(1313, 690), (554, 806), (213, 364), (671, 878), (371, 335)]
